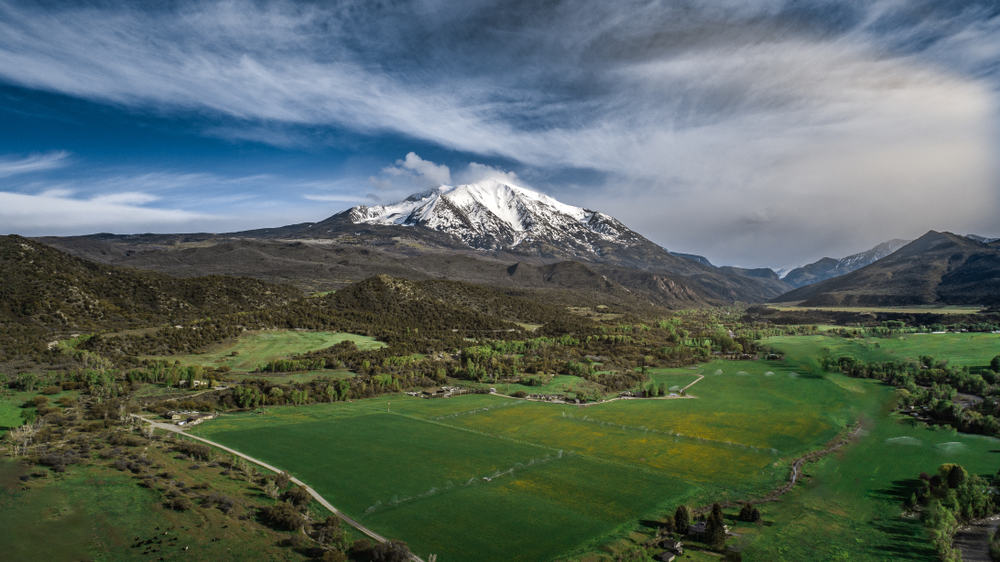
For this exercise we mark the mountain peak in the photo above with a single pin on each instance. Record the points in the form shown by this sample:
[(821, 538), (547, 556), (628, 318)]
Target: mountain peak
[(499, 215), (826, 268)]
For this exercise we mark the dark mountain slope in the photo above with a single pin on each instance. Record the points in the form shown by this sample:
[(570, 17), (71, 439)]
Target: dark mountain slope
[(49, 288), (827, 268), (937, 268), (472, 233)]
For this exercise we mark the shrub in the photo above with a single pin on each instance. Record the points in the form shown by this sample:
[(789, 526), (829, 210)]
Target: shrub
[(749, 513), (297, 496), (224, 503), (193, 450), (282, 516), (329, 532), (180, 503), (392, 551), (282, 480)]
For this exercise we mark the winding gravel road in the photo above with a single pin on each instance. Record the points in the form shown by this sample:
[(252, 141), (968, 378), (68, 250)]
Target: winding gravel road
[(344, 517)]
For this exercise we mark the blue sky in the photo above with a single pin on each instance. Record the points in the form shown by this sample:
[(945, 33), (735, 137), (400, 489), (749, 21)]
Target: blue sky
[(753, 132)]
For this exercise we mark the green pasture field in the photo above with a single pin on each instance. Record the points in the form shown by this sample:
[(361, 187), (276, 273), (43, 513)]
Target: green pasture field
[(674, 379), (553, 384), (510, 479), (959, 349), (849, 504), (304, 376), (251, 350), (573, 386), (915, 309)]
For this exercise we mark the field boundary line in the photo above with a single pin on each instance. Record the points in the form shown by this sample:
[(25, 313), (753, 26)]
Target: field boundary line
[(477, 432), (315, 495), (568, 451)]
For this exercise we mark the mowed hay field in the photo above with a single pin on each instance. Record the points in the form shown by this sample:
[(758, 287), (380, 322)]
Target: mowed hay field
[(253, 349), (482, 477), (959, 349)]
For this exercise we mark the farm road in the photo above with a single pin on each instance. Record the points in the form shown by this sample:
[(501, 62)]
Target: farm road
[(370, 533), (616, 398), (973, 540)]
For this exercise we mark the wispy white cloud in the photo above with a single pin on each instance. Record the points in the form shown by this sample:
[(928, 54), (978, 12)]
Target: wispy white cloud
[(56, 192), (125, 198), (55, 213), (333, 198), (122, 202), (13, 165)]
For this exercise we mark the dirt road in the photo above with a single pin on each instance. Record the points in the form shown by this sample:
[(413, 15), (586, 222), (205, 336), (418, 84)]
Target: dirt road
[(346, 519)]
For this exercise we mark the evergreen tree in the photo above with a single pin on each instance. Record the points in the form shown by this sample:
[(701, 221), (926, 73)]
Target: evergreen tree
[(715, 528), (682, 519)]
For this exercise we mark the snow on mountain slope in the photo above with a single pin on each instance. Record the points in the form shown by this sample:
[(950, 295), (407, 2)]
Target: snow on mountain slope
[(496, 215), (861, 259), (827, 268)]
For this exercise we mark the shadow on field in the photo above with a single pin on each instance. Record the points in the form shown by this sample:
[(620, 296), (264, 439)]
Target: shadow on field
[(904, 536), (899, 491), (905, 542)]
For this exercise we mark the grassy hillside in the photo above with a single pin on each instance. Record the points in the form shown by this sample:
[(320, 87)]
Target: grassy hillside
[(251, 350), (47, 292), (50, 288)]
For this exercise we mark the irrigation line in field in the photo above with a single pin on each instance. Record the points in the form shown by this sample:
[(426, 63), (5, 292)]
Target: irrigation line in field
[(315, 495), (580, 454), (476, 411), (668, 433), (475, 480)]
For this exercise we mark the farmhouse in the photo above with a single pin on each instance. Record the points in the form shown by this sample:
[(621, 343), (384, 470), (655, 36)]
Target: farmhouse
[(698, 529), (443, 392), (672, 545), (189, 417)]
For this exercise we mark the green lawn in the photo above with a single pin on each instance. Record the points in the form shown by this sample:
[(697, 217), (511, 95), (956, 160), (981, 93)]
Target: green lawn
[(250, 351), (510, 479)]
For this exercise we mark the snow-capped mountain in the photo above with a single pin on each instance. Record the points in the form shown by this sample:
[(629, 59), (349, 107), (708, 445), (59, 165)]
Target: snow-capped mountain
[(827, 268), (982, 239), (496, 215), (861, 259)]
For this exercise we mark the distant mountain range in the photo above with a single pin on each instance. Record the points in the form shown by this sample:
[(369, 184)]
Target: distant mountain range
[(827, 268), (490, 232), (937, 268), (503, 235)]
